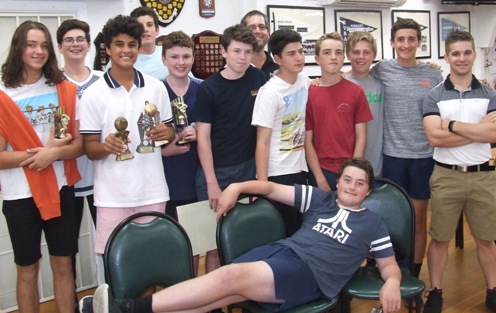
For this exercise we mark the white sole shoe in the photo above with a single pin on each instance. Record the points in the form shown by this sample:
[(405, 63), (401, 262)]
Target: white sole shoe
[(101, 299)]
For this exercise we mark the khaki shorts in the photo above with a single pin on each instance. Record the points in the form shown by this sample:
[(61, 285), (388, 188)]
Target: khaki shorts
[(473, 193)]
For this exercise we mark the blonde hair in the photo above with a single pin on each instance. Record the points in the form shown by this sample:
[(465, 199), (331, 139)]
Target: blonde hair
[(333, 36)]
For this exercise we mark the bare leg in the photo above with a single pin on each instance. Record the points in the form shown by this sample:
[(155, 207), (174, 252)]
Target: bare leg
[(420, 207), (27, 288), (63, 281), (228, 284), (486, 253), (437, 259)]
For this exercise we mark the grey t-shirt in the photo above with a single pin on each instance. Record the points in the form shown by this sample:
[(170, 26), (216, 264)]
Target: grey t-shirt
[(375, 128), (404, 92)]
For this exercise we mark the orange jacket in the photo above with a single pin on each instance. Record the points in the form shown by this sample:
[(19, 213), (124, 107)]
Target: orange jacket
[(20, 134)]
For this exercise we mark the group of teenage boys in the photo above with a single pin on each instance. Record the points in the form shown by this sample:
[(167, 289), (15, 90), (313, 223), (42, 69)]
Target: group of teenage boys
[(243, 127)]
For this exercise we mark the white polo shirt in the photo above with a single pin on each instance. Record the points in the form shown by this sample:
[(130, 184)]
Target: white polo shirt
[(138, 181)]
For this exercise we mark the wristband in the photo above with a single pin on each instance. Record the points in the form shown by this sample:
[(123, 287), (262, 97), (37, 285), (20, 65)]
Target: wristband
[(450, 126)]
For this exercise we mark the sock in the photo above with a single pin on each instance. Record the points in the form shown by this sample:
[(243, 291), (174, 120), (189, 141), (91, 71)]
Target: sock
[(416, 269), (143, 304)]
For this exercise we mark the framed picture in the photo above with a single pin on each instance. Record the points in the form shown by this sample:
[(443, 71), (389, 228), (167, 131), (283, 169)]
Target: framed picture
[(448, 21), (308, 21), (424, 20), (348, 21)]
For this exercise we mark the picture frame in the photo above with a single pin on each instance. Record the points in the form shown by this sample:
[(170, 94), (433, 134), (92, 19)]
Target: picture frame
[(348, 21), (308, 21), (424, 20), (448, 21)]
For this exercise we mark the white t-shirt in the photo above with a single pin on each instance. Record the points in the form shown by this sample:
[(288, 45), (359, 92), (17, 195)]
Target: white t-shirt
[(281, 107), (84, 187), (138, 181), (38, 102)]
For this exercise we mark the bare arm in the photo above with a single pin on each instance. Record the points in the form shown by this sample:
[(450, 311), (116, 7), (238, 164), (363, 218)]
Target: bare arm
[(162, 132), (313, 162), (360, 139), (439, 136), (207, 162), (11, 159), (484, 132), (67, 148), (277, 192), (95, 150), (262, 152), (390, 296)]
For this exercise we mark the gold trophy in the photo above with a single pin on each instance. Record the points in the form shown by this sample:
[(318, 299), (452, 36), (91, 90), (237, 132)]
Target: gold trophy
[(61, 120), (180, 118), (148, 120), (121, 125)]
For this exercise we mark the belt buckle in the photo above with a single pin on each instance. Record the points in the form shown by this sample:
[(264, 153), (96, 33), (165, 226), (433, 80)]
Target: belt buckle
[(462, 168)]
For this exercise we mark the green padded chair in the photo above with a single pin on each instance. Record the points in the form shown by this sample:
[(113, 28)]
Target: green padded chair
[(392, 203), (247, 226), (139, 256)]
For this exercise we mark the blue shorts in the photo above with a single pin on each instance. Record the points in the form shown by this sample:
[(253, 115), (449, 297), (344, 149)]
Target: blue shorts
[(411, 174), (331, 177), (294, 282), (25, 227)]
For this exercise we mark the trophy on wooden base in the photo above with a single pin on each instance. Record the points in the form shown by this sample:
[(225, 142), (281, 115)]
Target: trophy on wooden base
[(121, 125), (180, 118), (61, 120), (147, 121)]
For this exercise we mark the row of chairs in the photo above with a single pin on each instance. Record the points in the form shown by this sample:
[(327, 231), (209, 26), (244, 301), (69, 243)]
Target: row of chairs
[(159, 253)]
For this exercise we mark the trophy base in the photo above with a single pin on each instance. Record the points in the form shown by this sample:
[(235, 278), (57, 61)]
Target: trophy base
[(145, 149), (60, 136), (183, 142), (159, 143), (124, 156)]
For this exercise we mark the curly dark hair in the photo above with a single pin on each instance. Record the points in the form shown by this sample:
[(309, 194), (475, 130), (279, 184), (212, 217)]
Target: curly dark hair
[(71, 24), (122, 24), (13, 70), (238, 33)]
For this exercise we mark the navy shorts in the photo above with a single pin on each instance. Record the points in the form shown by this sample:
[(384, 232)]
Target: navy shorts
[(411, 174), (294, 282), (25, 226), (225, 176)]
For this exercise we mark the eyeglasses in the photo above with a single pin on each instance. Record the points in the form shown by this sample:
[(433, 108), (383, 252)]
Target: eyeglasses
[(253, 27), (70, 41)]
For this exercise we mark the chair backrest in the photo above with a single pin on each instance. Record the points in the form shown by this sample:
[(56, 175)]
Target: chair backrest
[(392, 203), (247, 226), (141, 255)]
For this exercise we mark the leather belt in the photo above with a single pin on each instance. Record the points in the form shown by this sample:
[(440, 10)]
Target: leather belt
[(484, 167)]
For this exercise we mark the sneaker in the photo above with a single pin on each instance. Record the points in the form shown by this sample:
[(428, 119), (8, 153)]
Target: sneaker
[(86, 304), (417, 301), (434, 303), (104, 302), (491, 299)]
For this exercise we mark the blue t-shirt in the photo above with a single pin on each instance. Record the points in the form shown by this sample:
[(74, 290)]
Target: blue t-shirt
[(334, 241), (180, 170)]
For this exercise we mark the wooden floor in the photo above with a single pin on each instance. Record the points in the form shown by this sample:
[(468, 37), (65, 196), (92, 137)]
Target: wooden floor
[(463, 286)]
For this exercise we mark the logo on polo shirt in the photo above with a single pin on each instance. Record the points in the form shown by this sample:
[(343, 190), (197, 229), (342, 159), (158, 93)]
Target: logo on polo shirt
[(335, 227)]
